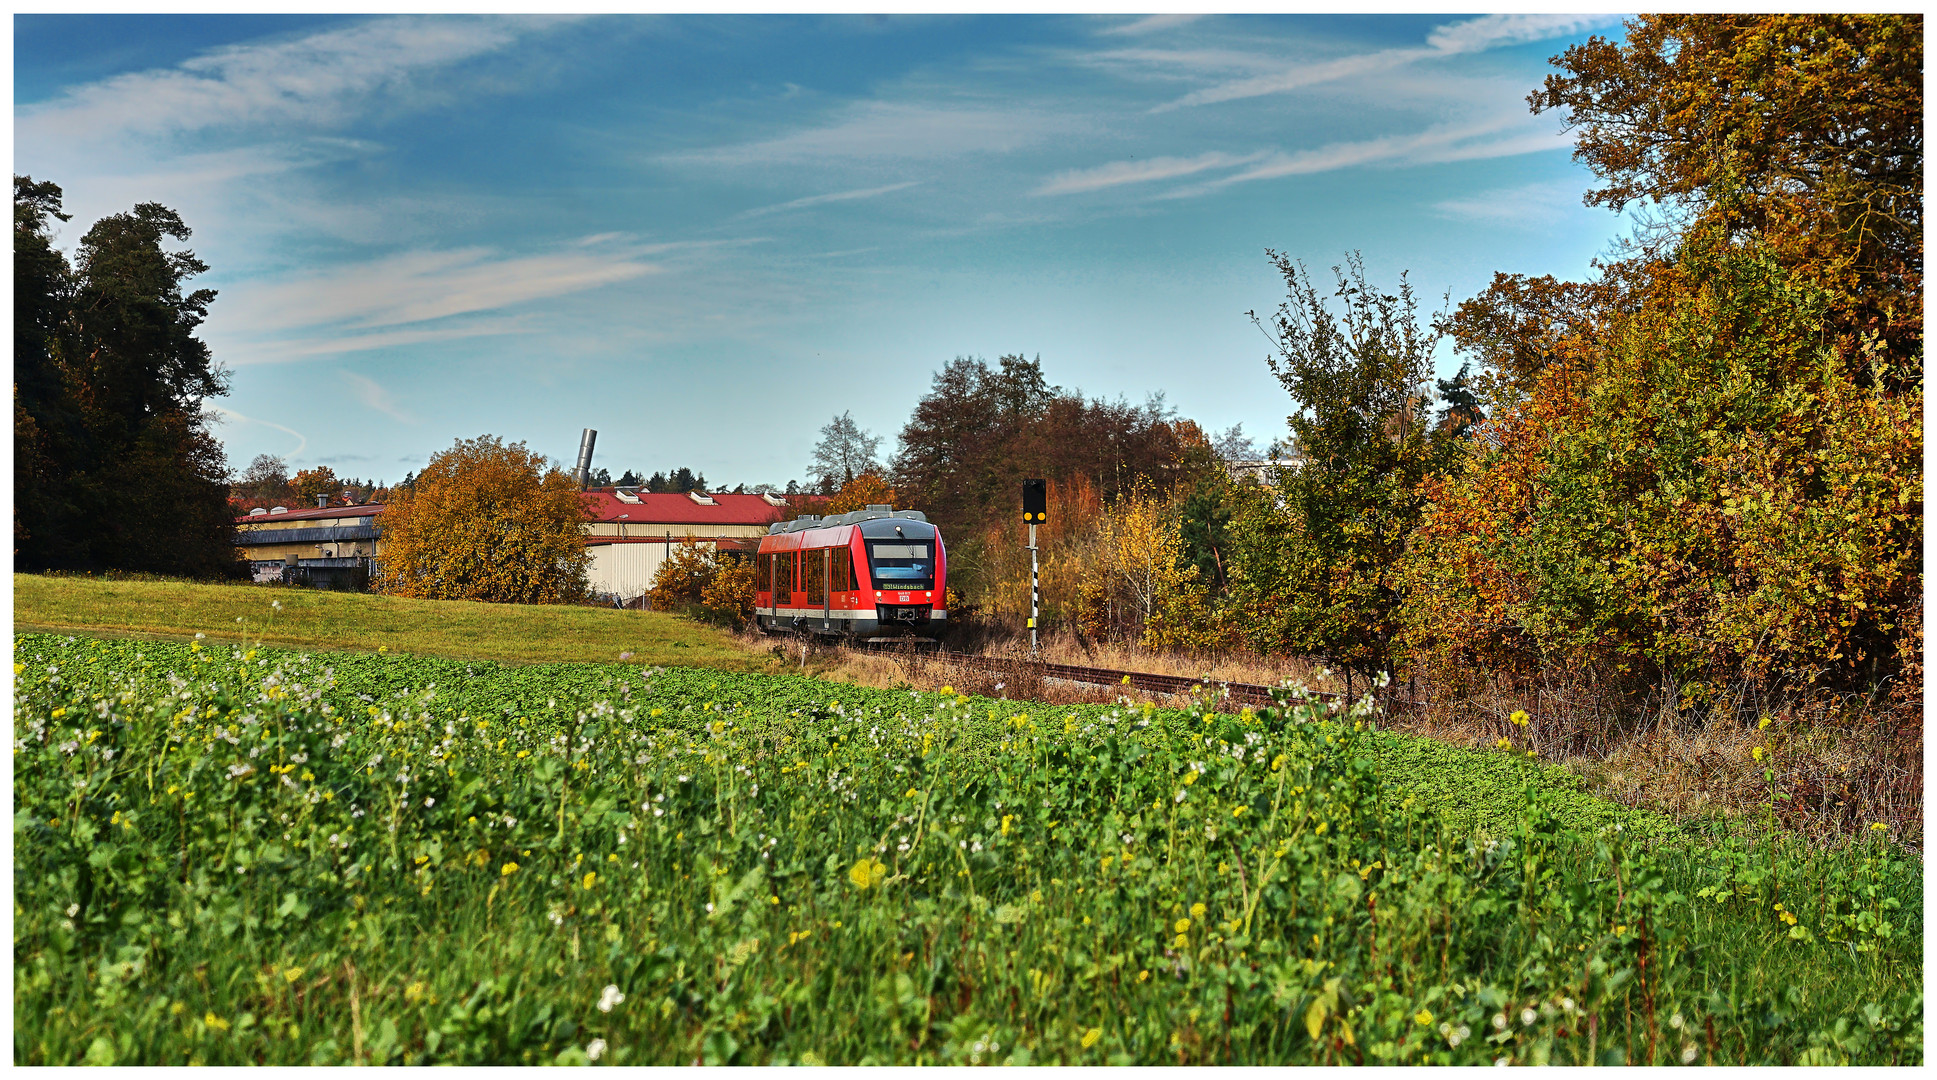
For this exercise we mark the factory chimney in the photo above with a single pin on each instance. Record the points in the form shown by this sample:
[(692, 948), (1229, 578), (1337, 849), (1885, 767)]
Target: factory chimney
[(584, 469)]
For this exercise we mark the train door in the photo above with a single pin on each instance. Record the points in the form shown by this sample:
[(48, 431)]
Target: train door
[(827, 586)]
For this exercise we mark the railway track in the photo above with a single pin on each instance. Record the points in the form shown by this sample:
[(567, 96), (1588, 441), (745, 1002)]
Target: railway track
[(1241, 693)]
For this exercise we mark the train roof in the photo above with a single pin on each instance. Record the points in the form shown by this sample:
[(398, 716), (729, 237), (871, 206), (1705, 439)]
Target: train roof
[(878, 522)]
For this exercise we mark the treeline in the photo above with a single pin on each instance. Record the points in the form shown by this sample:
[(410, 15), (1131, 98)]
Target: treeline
[(267, 484), (1700, 469), (114, 465)]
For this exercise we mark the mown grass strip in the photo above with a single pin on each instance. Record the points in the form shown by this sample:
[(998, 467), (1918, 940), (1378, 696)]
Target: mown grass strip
[(313, 619)]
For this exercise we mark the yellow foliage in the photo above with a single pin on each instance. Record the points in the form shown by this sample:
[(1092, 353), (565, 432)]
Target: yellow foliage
[(486, 521)]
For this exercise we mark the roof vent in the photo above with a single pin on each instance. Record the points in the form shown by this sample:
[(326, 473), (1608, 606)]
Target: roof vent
[(702, 498), (772, 500), (279, 509), (626, 495), (911, 515), (257, 510), (878, 506)]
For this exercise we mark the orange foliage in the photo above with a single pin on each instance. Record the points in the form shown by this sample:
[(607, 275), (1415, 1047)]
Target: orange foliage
[(486, 521)]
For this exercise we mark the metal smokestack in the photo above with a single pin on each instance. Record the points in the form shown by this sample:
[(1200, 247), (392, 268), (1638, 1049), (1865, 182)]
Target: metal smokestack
[(584, 469)]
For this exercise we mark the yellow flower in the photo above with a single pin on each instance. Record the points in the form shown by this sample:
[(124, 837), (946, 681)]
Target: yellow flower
[(523, 753), (1143, 975), (58, 713), (867, 873), (912, 792), (1006, 819), (1197, 911), (1277, 763), (591, 878), (1091, 1036), (293, 974), (1504, 744), (1422, 1018), (1183, 925), (1322, 826), (510, 868), (1756, 752), (1878, 826), (1190, 778), (948, 689), (1238, 811), (1763, 724), (1520, 718), (214, 1022)]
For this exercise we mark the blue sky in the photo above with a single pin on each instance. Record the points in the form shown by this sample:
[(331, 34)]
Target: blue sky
[(706, 236)]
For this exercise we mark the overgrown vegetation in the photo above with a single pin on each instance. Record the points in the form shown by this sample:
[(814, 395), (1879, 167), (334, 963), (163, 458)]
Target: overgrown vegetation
[(232, 855)]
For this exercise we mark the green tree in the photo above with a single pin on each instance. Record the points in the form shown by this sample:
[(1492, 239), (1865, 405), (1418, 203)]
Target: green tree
[(1321, 574), (121, 470)]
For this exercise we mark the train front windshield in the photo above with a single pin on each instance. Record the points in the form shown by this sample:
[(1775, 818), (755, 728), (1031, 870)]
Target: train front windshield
[(902, 564)]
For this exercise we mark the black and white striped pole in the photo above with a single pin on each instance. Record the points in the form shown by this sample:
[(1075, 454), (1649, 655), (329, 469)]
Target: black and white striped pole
[(1035, 501)]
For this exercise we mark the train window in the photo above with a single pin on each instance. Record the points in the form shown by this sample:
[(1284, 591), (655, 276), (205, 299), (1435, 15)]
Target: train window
[(843, 569), (813, 573), (763, 574), (902, 565), (784, 577)]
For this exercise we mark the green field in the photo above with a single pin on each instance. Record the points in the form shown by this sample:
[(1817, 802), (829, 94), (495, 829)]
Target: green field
[(313, 619), (230, 855)]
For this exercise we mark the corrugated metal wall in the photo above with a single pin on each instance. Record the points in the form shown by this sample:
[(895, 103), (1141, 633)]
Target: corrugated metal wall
[(626, 570)]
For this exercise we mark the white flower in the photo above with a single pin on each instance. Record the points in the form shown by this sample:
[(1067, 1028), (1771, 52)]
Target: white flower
[(594, 1048), (609, 997), (1499, 1021), (73, 910), (1688, 1053), (1676, 1021), (556, 918), (1527, 1017), (430, 802)]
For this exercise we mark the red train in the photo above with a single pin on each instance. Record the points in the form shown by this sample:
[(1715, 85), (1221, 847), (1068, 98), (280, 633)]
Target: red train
[(874, 574)]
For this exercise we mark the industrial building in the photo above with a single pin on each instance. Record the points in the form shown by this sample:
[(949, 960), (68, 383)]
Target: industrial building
[(633, 532), (630, 535), (329, 547)]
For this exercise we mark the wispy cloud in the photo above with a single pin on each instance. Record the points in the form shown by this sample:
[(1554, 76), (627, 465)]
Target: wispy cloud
[(317, 80), (1495, 137), (419, 286), (883, 130), (1139, 172), (230, 415), (1149, 24), (1524, 206), (1452, 39), (818, 200), (374, 396)]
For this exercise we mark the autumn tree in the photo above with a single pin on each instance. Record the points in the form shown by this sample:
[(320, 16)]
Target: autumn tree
[(115, 466), (308, 484), (862, 491), (486, 521), (1801, 131)]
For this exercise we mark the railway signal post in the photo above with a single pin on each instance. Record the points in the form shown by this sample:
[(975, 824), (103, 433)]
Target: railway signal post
[(1035, 500)]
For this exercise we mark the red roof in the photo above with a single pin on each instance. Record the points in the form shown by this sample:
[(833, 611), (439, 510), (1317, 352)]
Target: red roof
[(312, 513), (654, 509)]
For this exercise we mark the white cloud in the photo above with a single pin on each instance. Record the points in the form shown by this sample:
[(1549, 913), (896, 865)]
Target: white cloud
[(231, 415), (1501, 136), (373, 395), (1493, 31), (1138, 172), (419, 286), (1524, 206), (1451, 39), (879, 129), (1150, 24), (319, 80), (838, 196)]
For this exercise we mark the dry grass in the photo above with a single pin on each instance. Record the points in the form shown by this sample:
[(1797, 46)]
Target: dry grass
[(920, 669), (1838, 765)]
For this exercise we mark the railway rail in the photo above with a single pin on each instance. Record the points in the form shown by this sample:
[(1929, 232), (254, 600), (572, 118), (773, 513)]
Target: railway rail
[(1241, 693)]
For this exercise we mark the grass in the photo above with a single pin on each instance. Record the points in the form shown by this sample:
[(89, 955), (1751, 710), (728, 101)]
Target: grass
[(314, 619), (235, 855)]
